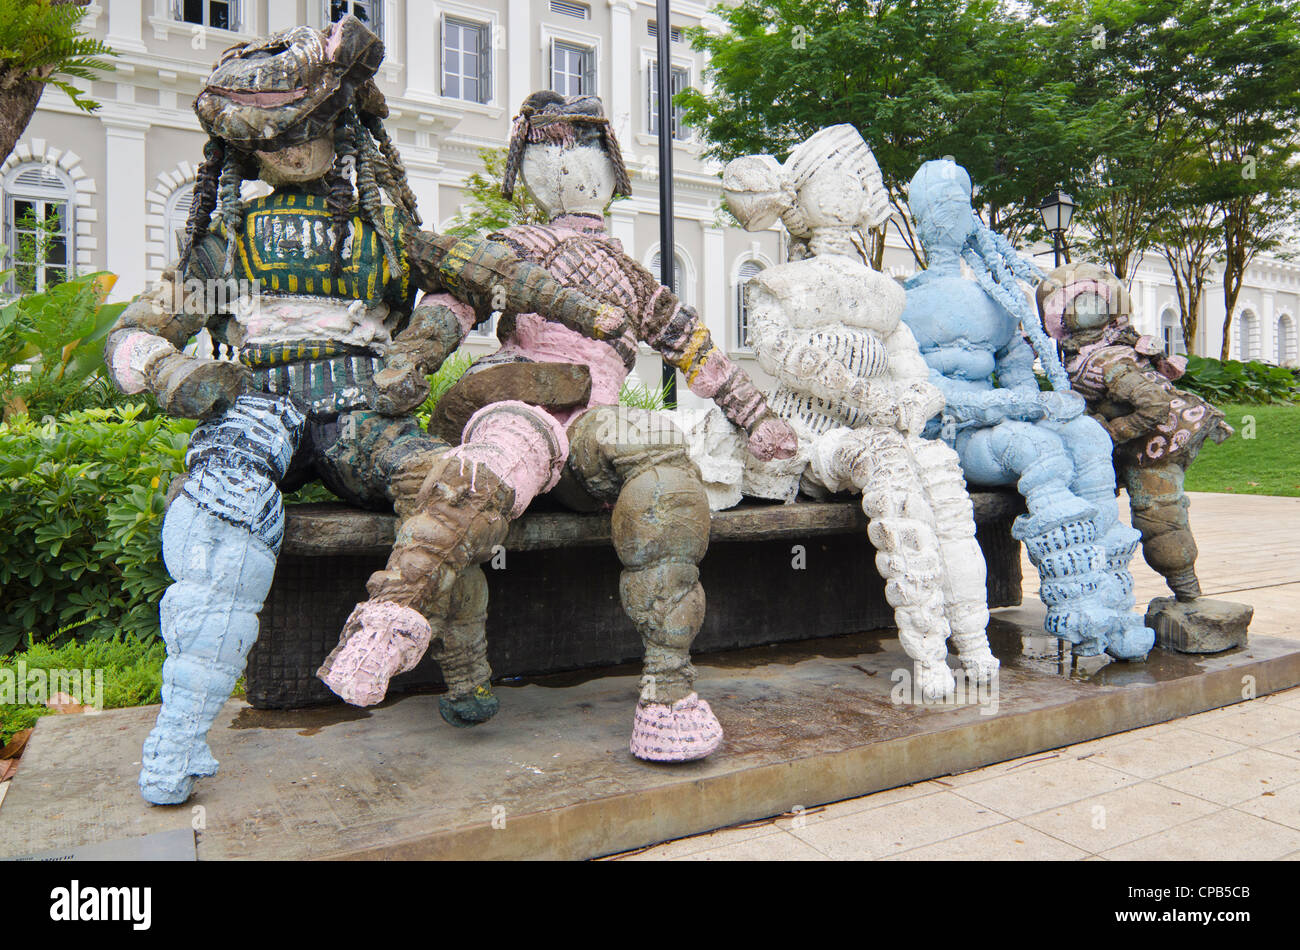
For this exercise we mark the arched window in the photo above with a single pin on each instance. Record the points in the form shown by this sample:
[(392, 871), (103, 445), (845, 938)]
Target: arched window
[(1247, 336), (679, 285), (38, 203), (1286, 339), (748, 270), (1171, 333), (176, 217)]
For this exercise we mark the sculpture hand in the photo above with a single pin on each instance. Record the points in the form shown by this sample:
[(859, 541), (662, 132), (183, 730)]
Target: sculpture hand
[(192, 388), (1061, 406), (772, 438), (917, 405), (401, 386)]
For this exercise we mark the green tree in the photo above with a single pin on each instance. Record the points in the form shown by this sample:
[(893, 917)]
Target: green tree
[(39, 45), (920, 79), (486, 210)]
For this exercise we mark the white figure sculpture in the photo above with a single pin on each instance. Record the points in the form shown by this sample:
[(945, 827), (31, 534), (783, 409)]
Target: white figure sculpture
[(853, 385)]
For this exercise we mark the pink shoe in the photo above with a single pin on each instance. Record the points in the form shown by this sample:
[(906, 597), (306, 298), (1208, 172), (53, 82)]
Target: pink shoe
[(683, 732), (380, 640)]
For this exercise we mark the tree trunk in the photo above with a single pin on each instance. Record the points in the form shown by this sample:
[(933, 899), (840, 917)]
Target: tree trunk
[(17, 105)]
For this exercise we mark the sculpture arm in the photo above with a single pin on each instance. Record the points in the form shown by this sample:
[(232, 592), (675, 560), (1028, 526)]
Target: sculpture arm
[(489, 277), (434, 331), (916, 397), (142, 352), (1125, 382), (1014, 364)]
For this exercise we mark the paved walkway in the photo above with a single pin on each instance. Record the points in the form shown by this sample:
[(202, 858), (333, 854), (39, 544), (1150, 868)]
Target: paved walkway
[(1220, 785)]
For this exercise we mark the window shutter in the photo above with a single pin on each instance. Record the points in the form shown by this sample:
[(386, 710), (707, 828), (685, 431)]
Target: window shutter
[(651, 79), (550, 64), (589, 73), (485, 63)]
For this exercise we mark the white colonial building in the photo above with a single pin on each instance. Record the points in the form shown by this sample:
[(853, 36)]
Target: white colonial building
[(116, 185)]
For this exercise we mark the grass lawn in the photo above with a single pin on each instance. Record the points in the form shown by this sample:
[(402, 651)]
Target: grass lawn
[(1268, 464)]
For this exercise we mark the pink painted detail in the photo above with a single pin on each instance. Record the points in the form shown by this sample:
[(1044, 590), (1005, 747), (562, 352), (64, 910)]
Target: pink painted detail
[(715, 371), (773, 439), (388, 639), (1054, 306), (522, 445), (683, 732), (465, 315), (264, 100), (537, 339), (132, 356), (335, 39)]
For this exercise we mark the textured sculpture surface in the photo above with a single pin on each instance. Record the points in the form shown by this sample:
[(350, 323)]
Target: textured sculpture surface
[(1127, 382), (589, 452), (852, 383), (332, 355), (980, 338)]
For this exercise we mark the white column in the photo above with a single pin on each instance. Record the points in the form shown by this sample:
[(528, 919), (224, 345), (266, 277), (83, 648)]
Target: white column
[(126, 25), (125, 232), (623, 68), (518, 54), (622, 225), (280, 15), (422, 38), (1268, 327)]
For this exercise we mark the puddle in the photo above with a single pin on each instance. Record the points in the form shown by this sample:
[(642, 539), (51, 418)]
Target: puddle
[(308, 722)]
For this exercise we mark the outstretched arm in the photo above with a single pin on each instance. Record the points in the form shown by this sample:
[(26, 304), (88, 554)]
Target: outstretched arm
[(143, 353), (1125, 382), (434, 331), (685, 343), (489, 277)]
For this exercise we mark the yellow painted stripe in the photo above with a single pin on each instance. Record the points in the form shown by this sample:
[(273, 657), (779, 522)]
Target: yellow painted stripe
[(692, 348)]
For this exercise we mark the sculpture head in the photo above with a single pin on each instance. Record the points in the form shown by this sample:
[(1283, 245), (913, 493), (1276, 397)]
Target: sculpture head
[(1082, 299), (299, 108), (566, 152), (831, 180), (939, 197)]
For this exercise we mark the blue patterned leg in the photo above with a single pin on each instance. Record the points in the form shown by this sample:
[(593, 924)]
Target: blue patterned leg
[(221, 536), (1091, 448)]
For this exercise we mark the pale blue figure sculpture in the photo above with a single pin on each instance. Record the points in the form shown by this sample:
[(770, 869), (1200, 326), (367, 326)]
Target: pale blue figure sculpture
[(980, 338)]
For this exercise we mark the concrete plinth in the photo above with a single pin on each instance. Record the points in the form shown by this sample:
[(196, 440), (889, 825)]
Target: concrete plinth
[(1199, 626), (551, 777)]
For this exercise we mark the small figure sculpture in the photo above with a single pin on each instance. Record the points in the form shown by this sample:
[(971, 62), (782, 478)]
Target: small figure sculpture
[(1158, 429), (1007, 432), (854, 387), (532, 429), (332, 357)]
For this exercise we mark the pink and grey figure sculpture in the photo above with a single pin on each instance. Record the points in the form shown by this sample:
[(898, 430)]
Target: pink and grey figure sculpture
[(1007, 432), (543, 417)]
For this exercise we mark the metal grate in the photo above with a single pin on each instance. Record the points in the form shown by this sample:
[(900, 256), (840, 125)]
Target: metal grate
[(567, 8)]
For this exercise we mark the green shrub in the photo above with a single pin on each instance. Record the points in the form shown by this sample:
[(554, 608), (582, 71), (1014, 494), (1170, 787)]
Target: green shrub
[(132, 676), (81, 505), (1234, 381)]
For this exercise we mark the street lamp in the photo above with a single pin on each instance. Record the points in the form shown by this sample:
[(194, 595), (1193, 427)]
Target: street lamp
[(1057, 209)]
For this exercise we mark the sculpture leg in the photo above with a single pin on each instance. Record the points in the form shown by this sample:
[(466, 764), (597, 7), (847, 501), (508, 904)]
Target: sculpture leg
[(221, 536), (878, 462), (965, 587), (1091, 449), (1159, 508), (510, 452), (1059, 531), (661, 531)]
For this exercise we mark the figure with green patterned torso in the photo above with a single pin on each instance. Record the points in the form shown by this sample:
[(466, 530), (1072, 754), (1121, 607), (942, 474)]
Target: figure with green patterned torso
[(315, 289)]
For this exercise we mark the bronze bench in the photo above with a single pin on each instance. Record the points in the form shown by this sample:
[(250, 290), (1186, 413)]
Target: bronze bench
[(773, 573)]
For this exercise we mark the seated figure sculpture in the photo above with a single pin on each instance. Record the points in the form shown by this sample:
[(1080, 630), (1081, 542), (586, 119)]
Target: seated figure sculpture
[(332, 356), (852, 383), (980, 338), (1158, 429), (527, 433)]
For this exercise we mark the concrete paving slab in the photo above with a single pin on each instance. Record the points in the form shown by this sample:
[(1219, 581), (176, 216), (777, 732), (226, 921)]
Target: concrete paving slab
[(551, 776)]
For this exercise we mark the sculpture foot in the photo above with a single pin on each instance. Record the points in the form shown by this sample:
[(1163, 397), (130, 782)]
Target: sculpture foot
[(479, 706), (981, 665), (1132, 639), (934, 681), (163, 786), (1184, 584), (380, 640), (683, 732)]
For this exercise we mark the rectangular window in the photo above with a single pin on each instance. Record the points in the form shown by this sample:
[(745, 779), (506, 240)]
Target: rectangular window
[(681, 79), (367, 11), (38, 242), (218, 14), (573, 69), (568, 8), (466, 60)]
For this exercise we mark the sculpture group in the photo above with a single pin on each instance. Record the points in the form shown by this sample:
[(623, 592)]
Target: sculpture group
[(882, 390)]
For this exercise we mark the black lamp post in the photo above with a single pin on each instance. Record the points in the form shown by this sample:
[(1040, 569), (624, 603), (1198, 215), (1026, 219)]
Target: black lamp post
[(667, 255), (1057, 209)]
